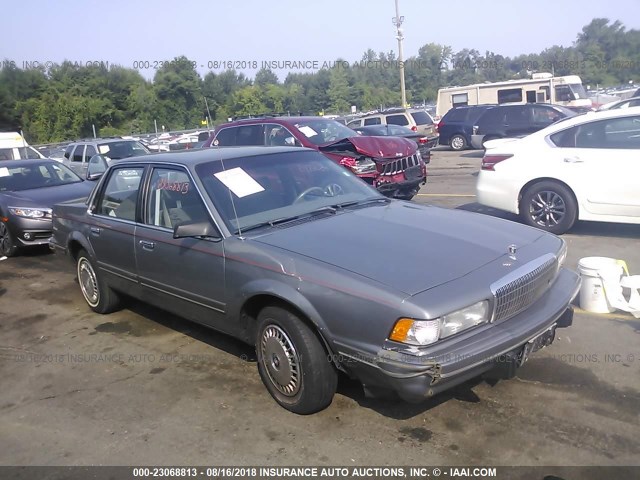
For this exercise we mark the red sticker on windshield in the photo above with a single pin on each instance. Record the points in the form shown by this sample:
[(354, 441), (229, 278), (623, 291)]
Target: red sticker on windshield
[(182, 187)]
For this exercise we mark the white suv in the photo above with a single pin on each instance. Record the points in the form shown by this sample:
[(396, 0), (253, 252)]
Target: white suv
[(586, 167), (416, 119)]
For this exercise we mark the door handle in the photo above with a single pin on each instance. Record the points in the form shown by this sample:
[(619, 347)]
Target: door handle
[(573, 160), (95, 231), (147, 245)]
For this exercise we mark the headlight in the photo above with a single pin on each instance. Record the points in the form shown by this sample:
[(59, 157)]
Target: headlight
[(31, 212), (466, 318), (364, 166), (426, 332)]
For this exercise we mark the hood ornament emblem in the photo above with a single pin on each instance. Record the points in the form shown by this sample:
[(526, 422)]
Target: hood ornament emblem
[(512, 251)]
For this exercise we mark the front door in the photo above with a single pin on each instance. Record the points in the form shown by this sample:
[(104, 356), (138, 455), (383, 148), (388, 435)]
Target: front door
[(185, 275)]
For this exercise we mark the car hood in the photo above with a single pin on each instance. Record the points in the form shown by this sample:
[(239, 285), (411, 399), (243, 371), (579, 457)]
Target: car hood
[(377, 147), (49, 196), (407, 247)]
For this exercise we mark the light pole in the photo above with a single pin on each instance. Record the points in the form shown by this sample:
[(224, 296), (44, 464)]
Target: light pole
[(397, 21)]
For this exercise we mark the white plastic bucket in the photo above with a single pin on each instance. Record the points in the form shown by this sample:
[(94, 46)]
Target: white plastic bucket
[(596, 272)]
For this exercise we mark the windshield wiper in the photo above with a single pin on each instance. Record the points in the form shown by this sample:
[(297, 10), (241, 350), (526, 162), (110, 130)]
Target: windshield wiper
[(278, 221), (362, 202)]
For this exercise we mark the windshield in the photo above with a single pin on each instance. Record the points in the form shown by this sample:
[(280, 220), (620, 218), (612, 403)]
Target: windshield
[(123, 149), (269, 188), (323, 131), (578, 91), (35, 175)]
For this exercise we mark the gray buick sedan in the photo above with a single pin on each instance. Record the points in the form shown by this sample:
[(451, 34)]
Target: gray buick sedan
[(290, 252)]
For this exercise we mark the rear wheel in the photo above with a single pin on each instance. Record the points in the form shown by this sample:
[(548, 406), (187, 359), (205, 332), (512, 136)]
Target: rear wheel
[(99, 296), (292, 362), (550, 206), (458, 142), (8, 246)]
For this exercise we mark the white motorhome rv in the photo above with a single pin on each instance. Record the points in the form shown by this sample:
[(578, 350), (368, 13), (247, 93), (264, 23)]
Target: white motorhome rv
[(13, 146), (540, 88)]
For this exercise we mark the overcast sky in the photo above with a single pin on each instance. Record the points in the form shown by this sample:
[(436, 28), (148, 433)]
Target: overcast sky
[(126, 32)]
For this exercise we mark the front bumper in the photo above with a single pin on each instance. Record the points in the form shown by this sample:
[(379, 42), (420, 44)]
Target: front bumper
[(427, 371), (403, 189), (28, 232)]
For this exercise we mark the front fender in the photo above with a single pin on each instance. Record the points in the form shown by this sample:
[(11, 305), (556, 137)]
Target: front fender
[(279, 290)]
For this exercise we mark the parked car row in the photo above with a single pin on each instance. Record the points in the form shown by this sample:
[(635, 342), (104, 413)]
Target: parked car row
[(472, 126)]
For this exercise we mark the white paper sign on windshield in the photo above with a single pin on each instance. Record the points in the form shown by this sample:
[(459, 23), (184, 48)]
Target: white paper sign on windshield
[(239, 182), (103, 148), (308, 131), (4, 172)]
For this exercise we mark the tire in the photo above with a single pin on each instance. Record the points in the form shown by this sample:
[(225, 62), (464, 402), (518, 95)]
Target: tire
[(292, 362), (549, 206), (8, 247), (98, 295), (458, 143)]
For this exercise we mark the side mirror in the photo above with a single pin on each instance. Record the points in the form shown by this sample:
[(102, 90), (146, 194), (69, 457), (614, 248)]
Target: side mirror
[(98, 164), (199, 229), (290, 141)]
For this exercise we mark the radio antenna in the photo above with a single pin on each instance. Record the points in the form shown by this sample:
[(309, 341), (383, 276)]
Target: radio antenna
[(233, 203)]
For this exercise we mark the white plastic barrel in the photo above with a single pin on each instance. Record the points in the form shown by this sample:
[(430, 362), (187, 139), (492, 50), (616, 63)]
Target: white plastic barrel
[(596, 272)]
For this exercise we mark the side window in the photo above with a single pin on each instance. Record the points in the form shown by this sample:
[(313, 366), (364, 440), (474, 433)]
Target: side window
[(397, 120), (617, 133), (226, 137), (545, 116), (517, 115), (77, 153), (510, 95), (250, 135), (355, 123), (172, 200), (459, 99), (455, 115), (67, 151), (90, 152), (120, 195), (372, 121), (279, 136)]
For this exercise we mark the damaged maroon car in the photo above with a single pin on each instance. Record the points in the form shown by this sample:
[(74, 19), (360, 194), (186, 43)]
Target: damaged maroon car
[(391, 164)]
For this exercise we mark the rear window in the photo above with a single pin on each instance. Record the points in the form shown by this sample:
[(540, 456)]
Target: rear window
[(456, 115), (422, 118), (397, 120)]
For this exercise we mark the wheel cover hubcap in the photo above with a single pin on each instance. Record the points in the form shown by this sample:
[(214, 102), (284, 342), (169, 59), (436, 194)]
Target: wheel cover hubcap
[(88, 282), (280, 360), (547, 208), (457, 142)]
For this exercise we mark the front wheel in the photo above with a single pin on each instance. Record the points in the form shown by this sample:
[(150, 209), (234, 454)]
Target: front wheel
[(550, 206), (99, 296), (292, 362), (8, 246)]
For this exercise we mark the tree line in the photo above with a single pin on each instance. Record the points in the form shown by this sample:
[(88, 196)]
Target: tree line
[(64, 101)]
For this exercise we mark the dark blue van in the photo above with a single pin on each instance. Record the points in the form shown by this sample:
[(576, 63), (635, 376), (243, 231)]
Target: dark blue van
[(456, 127)]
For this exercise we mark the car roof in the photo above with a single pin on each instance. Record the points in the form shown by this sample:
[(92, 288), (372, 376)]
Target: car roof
[(104, 140), (267, 119), (211, 154)]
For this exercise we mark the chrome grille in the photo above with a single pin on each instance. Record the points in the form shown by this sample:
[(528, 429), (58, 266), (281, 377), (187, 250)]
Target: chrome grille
[(400, 165), (531, 281)]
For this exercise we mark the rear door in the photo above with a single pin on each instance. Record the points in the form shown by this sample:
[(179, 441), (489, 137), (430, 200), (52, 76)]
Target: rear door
[(185, 275), (113, 223), (76, 158), (518, 121)]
